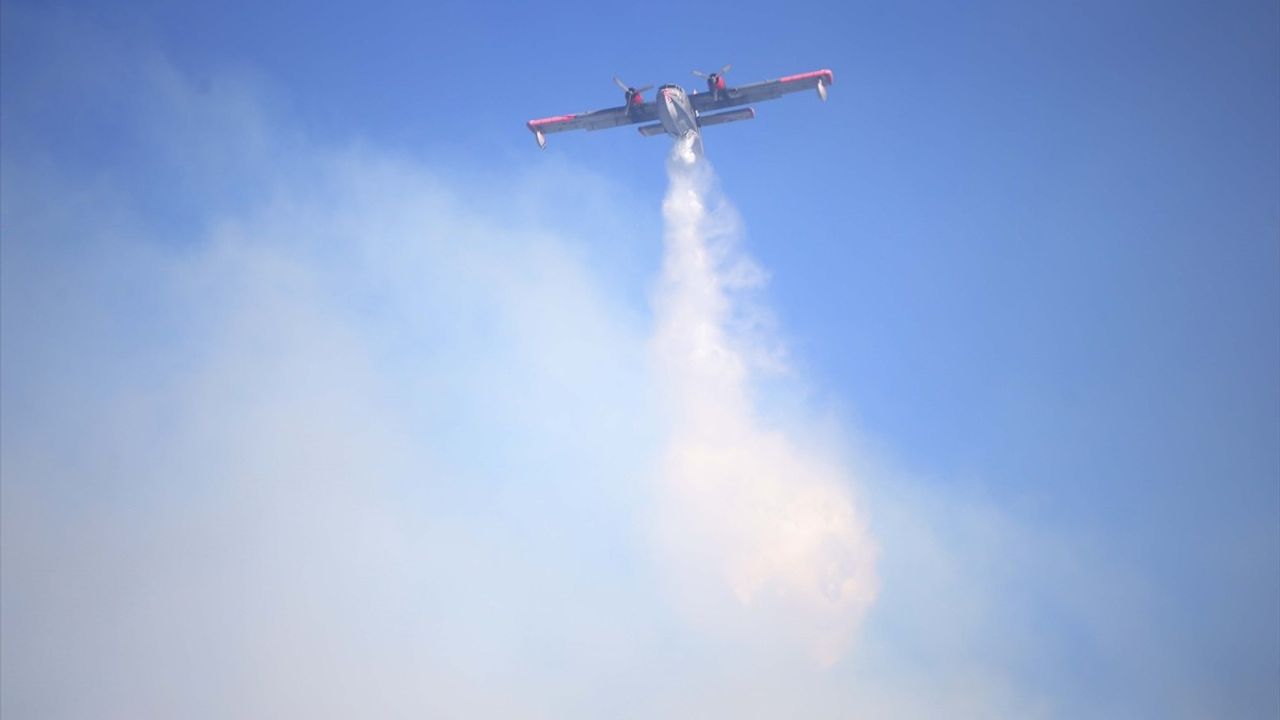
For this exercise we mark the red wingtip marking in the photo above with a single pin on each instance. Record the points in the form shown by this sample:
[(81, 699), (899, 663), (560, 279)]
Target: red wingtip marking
[(827, 74), (547, 121)]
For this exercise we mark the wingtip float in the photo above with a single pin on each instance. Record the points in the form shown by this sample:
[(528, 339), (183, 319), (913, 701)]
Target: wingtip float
[(680, 114)]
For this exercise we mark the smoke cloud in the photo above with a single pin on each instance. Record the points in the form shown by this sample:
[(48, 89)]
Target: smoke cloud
[(299, 427), (349, 436)]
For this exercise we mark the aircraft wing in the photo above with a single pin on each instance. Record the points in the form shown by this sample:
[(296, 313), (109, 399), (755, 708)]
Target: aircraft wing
[(595, 120), (767, 90)]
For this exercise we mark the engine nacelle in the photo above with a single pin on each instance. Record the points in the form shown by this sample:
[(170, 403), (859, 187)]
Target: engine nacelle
[(822, 90), (541, 138)]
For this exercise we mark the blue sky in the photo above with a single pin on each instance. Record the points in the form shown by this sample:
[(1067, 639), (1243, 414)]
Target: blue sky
[(1025, 263)]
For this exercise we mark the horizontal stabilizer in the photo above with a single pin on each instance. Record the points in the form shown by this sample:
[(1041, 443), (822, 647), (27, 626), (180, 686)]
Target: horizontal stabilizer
[(651, 130), (725, 117)]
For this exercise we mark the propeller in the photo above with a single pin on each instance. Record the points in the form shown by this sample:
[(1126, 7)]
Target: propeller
[(632, 92), (715, 80), (710, 76)]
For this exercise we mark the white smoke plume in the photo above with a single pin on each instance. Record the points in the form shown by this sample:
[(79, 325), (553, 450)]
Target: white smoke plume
[(292, 427), (758, 528)]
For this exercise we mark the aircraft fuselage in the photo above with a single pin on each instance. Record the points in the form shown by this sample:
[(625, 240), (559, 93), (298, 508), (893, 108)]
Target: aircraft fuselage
[(676, 112)]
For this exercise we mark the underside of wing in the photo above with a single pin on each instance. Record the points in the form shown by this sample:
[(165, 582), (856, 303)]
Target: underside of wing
[(595, 120), (818, 80)]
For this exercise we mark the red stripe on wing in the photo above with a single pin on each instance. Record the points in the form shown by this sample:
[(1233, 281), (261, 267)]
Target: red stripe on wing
[(830, 77), (550, 120)]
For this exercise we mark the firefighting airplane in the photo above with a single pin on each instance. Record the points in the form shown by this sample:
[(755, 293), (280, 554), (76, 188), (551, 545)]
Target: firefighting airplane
[(681, 114)]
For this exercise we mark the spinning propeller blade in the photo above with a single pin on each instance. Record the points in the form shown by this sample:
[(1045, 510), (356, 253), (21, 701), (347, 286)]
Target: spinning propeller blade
[(722, 71), (632, 92)]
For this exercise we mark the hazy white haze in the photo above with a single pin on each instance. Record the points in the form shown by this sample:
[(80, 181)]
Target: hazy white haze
[(298, 426), (352, 438)]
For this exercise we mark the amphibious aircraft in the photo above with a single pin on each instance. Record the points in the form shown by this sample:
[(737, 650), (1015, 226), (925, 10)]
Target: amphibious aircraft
[(681, 114)]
